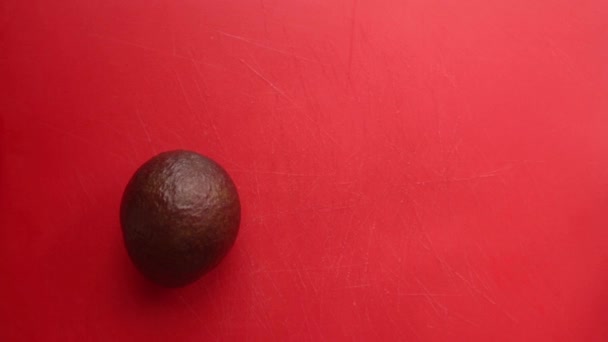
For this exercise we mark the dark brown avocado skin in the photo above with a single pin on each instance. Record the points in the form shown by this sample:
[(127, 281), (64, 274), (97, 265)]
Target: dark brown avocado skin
[(180, 215)]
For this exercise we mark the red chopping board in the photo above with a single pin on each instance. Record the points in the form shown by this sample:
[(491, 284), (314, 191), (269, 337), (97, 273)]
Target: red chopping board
[(409, 170)]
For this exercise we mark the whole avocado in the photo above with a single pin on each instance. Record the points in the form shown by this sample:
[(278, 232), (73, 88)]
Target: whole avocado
[(180, 215)]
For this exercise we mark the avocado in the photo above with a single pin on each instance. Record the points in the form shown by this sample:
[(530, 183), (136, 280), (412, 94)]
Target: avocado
[(180, 215)]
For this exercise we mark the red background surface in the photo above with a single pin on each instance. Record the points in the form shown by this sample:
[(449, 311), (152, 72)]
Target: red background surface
[(409, 170)]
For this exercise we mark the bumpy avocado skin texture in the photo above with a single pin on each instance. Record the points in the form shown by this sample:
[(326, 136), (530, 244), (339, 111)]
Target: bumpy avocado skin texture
[(180, 215)]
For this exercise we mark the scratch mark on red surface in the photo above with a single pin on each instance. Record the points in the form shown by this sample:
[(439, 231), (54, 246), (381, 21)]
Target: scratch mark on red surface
[(560, 55), (173, 43), (263, 46), (256, 183), (370, 236), (145, 129), (307, 324), (264, 14), (190, 308), (412, 330), (432, 300), (314, 106), (125, 42), (352, 36), (474, 288), (84, 189), (298, 272), (200, 75), (270, 83), (118, 132), (194, 313), (330, 209), (357, 286), (331, 51), (442, 68), (204, 101), (431, 247), (273, 282), (309, 278), (68, 201), (137, 45), (338, 266), (107, 124), (470, 286), (466, 320), (490, 174), (425, 294), (279, 173), (187, 101), (183, 91), (84, 141)]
